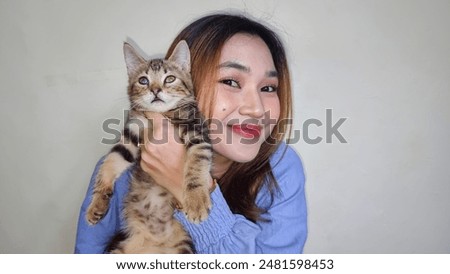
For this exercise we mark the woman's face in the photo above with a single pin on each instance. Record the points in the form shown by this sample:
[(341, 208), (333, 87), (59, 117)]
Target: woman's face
[(247, 106)]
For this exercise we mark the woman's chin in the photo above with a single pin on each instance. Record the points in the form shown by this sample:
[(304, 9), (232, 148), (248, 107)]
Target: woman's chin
[(236, 153)]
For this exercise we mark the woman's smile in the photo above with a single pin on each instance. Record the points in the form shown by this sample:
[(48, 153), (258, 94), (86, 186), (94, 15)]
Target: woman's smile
[(249, 131)]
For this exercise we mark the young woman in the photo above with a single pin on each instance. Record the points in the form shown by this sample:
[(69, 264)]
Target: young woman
[(241, 77)]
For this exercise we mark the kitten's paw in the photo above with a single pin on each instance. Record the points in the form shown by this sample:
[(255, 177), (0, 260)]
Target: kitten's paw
[(99, 206), (196, 205)]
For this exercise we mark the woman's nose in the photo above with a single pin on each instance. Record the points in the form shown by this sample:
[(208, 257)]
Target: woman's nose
[(252, 104)]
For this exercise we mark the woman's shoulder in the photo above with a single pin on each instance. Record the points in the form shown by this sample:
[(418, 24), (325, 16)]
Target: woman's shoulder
[(286, 160), (287, 169)]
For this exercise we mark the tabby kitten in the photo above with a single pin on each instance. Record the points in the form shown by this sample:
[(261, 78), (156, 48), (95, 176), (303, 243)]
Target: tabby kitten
[(162, 86)]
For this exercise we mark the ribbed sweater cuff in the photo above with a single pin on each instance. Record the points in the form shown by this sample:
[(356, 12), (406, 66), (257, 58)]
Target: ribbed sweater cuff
[(218, 225)]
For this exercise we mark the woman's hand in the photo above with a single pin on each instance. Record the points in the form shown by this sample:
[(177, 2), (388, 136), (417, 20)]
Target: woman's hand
[(163, 156)]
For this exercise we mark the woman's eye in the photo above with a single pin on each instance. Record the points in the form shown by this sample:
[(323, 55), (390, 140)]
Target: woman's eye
[(231, 83), (143, 80), (269, 89), (169, 79)]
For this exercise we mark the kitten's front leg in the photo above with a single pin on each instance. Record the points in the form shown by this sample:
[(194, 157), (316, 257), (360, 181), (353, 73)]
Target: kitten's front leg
[(118, 160), (121, 156), (196, 200)]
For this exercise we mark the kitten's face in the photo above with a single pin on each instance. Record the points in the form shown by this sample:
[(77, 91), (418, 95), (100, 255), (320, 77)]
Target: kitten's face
[(158, 85)]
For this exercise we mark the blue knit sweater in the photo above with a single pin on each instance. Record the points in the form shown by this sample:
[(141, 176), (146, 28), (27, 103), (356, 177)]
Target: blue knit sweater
[(223, 231)]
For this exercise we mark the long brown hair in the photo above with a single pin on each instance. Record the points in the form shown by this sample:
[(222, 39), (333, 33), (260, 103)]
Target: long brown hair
[(206, 37)]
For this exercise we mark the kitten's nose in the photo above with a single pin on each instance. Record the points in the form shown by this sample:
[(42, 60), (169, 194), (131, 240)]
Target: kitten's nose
[(156, 90)]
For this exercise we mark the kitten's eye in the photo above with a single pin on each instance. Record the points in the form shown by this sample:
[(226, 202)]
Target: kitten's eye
[(269, 89), (169, 79), (231, 83), (143, 81)]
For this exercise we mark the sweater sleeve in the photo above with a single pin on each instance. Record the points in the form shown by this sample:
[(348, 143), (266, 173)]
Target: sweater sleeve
[(286, 230)]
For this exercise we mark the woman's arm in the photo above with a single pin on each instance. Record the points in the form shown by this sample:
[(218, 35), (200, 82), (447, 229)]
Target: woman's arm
[(225, 232)]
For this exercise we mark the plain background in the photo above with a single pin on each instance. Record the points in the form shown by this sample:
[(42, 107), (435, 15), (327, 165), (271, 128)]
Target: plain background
[(384, 65)]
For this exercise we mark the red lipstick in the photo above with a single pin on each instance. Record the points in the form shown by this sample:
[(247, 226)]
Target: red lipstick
[(247, 130)]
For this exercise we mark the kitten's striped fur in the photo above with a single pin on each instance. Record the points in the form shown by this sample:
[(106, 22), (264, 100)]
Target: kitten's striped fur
[(163, 86)]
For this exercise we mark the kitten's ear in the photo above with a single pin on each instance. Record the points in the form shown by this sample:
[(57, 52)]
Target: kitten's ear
[(132, 59), (182, 56)]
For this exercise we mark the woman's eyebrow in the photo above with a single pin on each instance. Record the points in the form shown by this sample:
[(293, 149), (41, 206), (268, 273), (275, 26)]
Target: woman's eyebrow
[(236, 65), (272, 73)]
